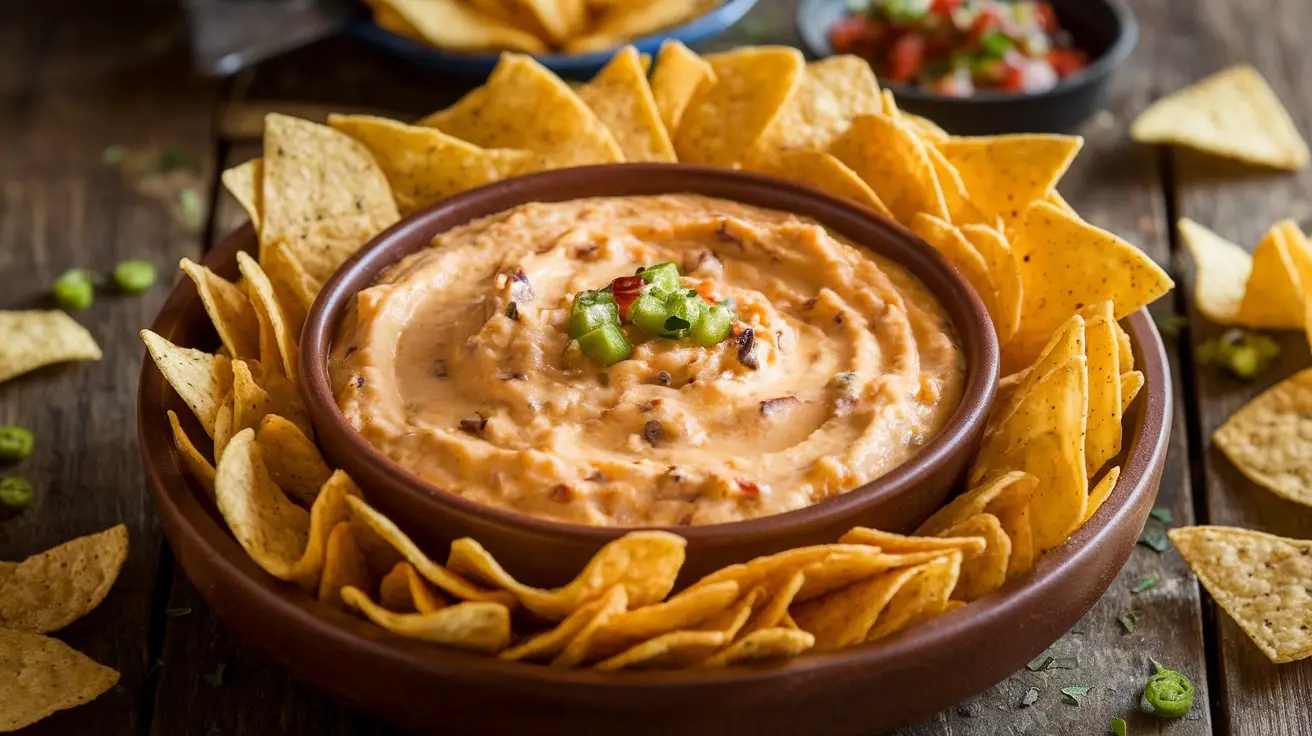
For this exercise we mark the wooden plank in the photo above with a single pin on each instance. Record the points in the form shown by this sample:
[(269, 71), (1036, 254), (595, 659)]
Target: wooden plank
[(73, 82), (1256, 697)]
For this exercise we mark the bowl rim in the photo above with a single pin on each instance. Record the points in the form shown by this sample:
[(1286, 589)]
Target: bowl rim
[(976, 336), (1127, 38), (177, 499)]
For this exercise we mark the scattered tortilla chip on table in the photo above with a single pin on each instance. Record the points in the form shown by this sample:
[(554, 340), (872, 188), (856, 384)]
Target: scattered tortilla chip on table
[(1281, 270), (1221, 271), (721, 126), (35, 339), (1234, 114), (1261, 580), (40, 676), (1270, 439), (51, 590)]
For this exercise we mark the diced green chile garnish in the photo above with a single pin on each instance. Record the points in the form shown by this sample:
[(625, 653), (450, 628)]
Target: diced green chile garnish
[(589, 316), (1168, 694), (649, 314), (15, 493), (662, 276), (16, 443), (713, 328), (606, 345)]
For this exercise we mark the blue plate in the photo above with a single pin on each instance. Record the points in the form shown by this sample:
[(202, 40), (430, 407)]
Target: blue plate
[(814, 19), (700, 29)]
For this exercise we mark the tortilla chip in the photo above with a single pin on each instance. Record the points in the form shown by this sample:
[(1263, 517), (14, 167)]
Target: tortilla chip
[(1005, 173), (989, 496), (683, 611), (1044, 436), (292, 284), (446, 580), (51, 590), (223, 427), (645, 563), (34, 339), (228, 308), (40, 676), (984, 573), (845, 617), (621, 97), (404, 590), (451, 24), (620, 23), (948, 240), (1055, 199), (275, 338), (754, 84), (246, 184), (524, 106), (324, 195), (199, 378), (259, 391), (838, 570), (686, 648), (1267, 439), (197, 464), (1014, 516), (343, 566), (777, 601), (824, 172), (927, 129), (894, 162), (549, 643), (390, 20), (831, 92), (680, 75), (1099, 494), (1067, 264), (1103, 439), (1273, 292), (1233, 114), (1004, 274), (293, 459), (826, 566), (423, 165), (1261, 580), (969, 545), (922, 597), (764, 645), (1130, 384), (1221, 271), (612, 604), (479, 626), (1066, 343)]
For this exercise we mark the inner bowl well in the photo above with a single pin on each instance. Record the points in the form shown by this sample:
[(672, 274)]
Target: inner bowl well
[(549, 553)]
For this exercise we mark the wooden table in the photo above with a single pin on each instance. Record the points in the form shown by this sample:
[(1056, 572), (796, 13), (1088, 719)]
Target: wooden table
[(75, 80)]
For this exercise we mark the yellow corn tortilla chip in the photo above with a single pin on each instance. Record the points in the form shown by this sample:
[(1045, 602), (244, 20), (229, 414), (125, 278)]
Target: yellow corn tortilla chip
[(613, 603), (1098, 494), (621, 97), (686, 648), (477, 625), (844, 617), (824, 172), (824, 564), (394, 589), (51, 590), (40, 676), (1102, 442), (424, 165), (1221, 271), (831, 92), (722, 125), (1130, 384), (983, 573), (685, 610), (894, 162), (245, 182), (1067, 264), (948, 240), (620, 23), (294, 286), (777, 601), (324, 195), (645, 563), (680, 75), (1004, 274), (764, 645), (446, 580), (264, 392), (1066, 343), (293, 459), (197, 464), (1014, 516), (923, 596), (549, 643), (1005, 173), (228, 308), (199, 378), (970, 546), (524, 106), (1273, 293), (1268, 442), (927, 129), (1055, 199), (838, 570), (343, 566), (222, 427), (562, 20), (1233, 114), (1126, 348), (1010, 487), (451, 24), (1261, 580), (961, 210), (390, 20), (273, 324), (34, 339), (1044, 436)]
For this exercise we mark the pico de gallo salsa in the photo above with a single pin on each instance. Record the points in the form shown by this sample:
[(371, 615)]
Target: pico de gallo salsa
[(958, 47)]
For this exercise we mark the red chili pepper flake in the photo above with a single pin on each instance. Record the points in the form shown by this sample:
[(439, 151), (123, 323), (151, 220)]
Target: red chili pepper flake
[(749, 488), (562, 493), (626, 290)]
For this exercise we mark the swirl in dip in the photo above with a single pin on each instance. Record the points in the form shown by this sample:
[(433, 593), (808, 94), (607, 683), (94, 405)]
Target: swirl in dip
[(840, 365)]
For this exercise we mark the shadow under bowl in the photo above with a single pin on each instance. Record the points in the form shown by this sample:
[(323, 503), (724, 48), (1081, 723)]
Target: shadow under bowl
[(549, 553)]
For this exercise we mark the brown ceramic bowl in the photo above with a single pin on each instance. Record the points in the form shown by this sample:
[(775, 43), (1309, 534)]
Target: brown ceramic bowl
[(863, 690), (550, 553)]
